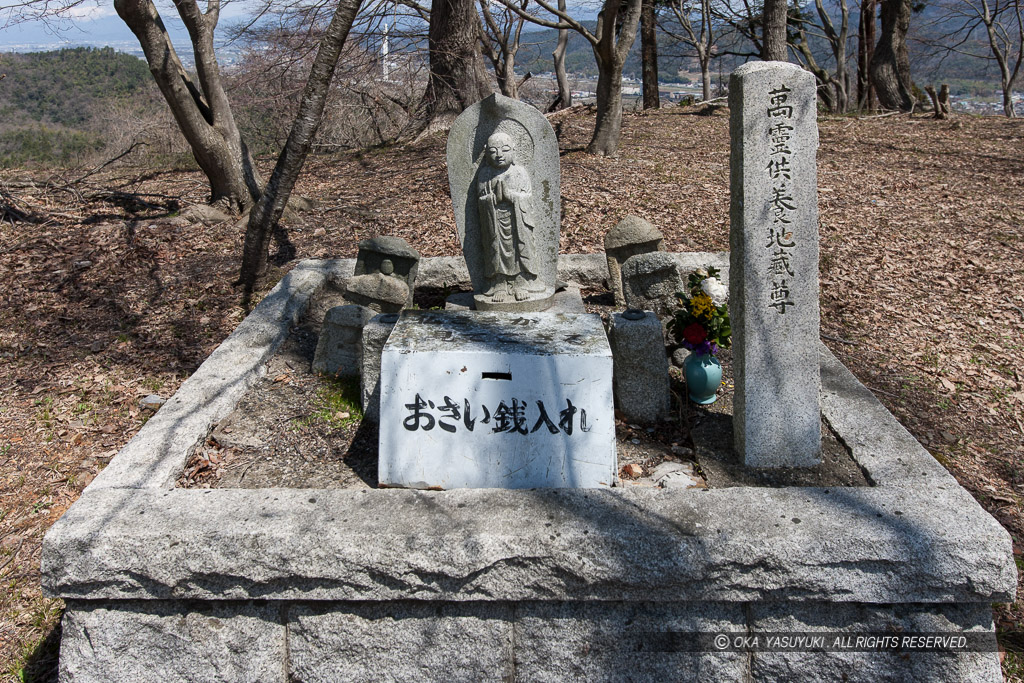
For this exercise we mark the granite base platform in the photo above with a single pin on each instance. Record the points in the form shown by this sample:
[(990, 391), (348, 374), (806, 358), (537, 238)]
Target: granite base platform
[(171, 584)]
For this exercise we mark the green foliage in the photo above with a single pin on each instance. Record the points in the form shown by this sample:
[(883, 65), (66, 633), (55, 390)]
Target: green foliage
[(62, 86), (338, 402), (44, 145)]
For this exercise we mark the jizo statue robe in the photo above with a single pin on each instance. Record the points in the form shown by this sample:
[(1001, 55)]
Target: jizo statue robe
[(507, 226)]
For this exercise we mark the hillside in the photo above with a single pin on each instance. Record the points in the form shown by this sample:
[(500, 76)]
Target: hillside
[(51, 102)]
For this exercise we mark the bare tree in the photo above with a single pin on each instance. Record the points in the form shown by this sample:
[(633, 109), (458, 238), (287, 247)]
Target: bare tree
[(564, 98), (267, 212), (499, 39), (200, 106), (373, 94), (890, 65), (866, 98), (611, 41), (773, 43), (693, 26), (834, 86), (457, 75), (991, 30), (649, 55)]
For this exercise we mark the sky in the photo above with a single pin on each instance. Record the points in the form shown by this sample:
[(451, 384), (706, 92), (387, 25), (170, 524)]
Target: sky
[(97, 24)]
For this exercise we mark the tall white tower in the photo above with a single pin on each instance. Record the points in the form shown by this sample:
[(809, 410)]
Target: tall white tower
[(384, 54)]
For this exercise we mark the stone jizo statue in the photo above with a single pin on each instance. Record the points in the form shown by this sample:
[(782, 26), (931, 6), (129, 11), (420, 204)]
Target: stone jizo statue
[(504, 178), (507, 223)]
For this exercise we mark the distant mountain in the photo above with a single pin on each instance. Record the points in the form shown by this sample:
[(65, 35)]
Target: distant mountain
[(49, 100), (929, 64)]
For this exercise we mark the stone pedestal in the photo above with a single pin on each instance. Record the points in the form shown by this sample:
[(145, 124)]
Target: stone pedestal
[(339, 347), (375, 335), (497, 400), (641, 366), (568, 300)]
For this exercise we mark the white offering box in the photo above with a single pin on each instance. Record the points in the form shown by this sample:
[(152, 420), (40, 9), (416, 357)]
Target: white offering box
[(497, 400)]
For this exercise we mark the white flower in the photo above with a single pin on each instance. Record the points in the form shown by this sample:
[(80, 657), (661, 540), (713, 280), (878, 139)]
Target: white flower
[(701, 272), (714, 288)]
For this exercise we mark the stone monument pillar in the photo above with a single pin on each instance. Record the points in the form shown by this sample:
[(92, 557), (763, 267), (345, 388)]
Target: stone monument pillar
[(503, 170), (773, 278)]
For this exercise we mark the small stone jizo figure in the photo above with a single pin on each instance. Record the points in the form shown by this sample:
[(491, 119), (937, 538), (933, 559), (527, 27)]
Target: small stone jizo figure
[(507, 223), (504, 178)]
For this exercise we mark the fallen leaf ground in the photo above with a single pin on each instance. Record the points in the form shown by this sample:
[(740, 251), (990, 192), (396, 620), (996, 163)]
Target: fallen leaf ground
[(107, 294)]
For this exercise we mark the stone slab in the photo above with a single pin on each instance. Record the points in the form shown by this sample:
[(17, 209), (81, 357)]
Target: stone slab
[(558, 641), (875, 545), (401, 641), (479, 399), (375, 335), (156, 455), (804, 618), (583, 270), (339, 348), (169, 641), (773, 298), (568, 300), (885, 450), (640, 368)]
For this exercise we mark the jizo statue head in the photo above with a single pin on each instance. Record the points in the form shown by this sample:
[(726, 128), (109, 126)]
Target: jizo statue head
[(500, 150)]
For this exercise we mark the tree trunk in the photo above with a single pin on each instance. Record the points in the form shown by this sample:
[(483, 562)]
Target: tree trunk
[(999, 40), (608, 125), (457, 75), (508, 85), (944, 100), (837, 40), (936, 104), (616, 26), (265, 215), (773, 44), (201, 109), (1008, 110), (890, 67), (705, 79), (564, 99), (649, 55), (866, 99)]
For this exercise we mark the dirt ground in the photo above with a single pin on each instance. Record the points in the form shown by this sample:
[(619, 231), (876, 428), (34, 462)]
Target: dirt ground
[(109, 293), (297, 429)]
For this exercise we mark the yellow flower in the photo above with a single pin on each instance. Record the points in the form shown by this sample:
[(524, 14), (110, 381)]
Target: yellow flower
[(701, 306)]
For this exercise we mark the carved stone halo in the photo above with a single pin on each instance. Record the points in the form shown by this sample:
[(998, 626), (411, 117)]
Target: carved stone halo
[(520, 136)]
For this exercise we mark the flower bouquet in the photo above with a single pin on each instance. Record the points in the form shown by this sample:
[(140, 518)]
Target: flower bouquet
[(701, 324)]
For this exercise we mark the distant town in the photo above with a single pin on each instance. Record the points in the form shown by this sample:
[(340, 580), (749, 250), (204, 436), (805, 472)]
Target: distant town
[(584, 87)]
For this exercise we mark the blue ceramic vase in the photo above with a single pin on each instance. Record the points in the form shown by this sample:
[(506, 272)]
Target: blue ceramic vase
[(703, 377)]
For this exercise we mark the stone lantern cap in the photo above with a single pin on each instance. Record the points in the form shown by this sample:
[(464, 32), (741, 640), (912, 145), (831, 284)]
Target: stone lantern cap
[(631, 230), (390, 246)]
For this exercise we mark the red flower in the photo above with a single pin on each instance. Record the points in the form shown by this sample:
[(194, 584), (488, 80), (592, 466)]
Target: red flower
[(695, 333)]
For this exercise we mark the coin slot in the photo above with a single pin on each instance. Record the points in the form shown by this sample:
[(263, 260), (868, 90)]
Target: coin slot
[(496, 375)]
